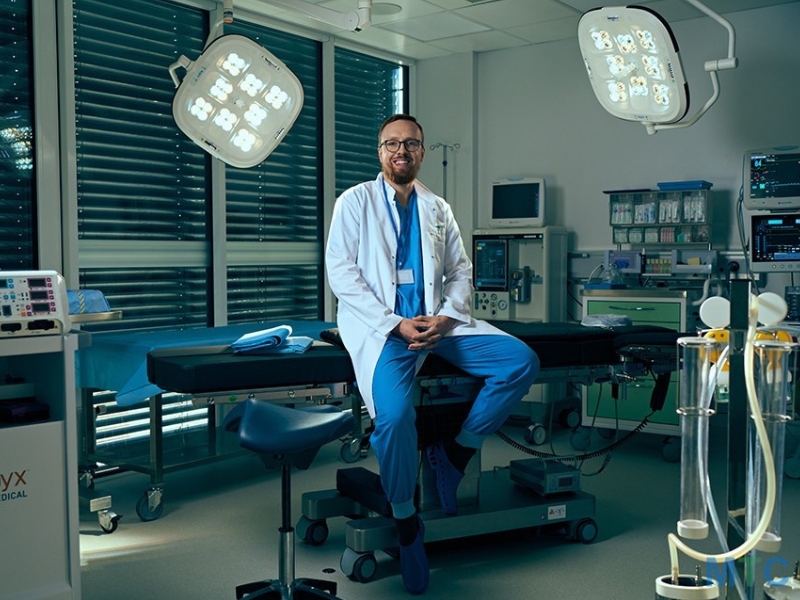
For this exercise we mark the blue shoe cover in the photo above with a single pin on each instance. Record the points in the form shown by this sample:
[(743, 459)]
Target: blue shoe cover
[(414, 563), (447, 477)]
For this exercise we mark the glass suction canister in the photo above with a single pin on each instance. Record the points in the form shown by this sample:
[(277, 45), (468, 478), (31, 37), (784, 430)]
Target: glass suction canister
[(774, 386), (696, 390)]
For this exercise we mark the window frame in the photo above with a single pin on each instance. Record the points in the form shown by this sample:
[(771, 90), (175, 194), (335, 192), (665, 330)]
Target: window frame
[(92, 254)]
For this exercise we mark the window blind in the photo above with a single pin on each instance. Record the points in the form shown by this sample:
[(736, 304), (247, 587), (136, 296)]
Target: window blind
[(368, 90), (17, 169)]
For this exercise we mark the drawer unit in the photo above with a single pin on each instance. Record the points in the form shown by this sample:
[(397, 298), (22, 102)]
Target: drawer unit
[(643, 307)]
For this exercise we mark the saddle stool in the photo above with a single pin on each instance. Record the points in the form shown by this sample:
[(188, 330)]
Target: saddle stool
[(285, 438)]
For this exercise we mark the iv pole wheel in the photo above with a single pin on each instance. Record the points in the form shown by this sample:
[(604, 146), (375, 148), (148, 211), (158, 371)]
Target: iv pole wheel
[(536, 434)]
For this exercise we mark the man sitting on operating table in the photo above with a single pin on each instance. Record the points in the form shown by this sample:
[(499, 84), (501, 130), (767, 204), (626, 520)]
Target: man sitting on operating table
[(397, 264)]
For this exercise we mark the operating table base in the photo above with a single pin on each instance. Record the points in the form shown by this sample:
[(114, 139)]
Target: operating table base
[(501, 506)]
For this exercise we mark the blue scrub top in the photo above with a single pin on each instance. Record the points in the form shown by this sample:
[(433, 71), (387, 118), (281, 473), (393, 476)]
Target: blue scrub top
[(410, 301)]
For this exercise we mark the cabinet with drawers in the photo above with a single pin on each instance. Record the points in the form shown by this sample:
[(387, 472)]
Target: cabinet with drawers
[(665, 308)]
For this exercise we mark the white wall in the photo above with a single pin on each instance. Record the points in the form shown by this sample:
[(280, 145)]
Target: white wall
[(449, 114), (537, 115)]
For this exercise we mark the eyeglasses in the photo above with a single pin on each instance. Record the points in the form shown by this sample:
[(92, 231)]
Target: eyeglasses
[(411, 144)]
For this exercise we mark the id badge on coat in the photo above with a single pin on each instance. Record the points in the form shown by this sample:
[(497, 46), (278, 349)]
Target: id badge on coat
[(405, 276)]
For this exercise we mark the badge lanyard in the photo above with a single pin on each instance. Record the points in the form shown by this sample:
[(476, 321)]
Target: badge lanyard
[(405, 224)]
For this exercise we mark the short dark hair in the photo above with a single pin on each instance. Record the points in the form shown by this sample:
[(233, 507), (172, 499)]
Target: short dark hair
[(400, 117)]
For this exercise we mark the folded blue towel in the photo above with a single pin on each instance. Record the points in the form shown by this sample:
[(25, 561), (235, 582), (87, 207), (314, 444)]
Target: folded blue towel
[(277, 340), (266, 338), (291, 345), (87, 301)]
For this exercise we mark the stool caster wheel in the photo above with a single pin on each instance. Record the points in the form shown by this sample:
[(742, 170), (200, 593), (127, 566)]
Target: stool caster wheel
[(312, 532), (150, 505), (109, 520), (536, 434), (360, 566), (585, 531), (579, 439)]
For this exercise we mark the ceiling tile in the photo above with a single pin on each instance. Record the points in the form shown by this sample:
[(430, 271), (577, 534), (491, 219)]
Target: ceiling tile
[(510, 13), (550, 31), (485, 41), (434, 27), (409, 9), (454, 26)]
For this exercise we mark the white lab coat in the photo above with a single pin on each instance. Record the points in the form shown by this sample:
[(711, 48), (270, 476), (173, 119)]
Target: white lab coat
[(360, 260)]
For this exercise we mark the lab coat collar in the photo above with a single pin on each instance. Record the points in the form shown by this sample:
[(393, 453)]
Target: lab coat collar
[(423, 193)]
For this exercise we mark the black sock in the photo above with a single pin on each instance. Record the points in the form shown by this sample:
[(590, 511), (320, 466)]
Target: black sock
[(407, 529), (458, 455)]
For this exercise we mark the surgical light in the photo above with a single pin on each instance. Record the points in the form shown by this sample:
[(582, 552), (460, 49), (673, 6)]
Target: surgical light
[(237, 100), (634, 66)]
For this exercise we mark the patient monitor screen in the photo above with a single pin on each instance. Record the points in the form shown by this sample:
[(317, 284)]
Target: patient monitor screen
[(776, 242), (775, 175), (491, 264)]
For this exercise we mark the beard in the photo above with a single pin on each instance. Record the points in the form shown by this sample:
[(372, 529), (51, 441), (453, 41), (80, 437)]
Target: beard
[(400, 177)]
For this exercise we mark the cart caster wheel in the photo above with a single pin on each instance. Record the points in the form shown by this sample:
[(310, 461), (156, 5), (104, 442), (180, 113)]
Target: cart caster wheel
[(585, 531), (86, 480), (536, 434), (150, 505), (109, 521), (671, 450), (350, 451), (359, 566), (312, 532), (579, 439), (791, 467), (570, 418)]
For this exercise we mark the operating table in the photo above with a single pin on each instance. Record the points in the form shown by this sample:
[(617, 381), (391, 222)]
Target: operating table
[(140, 366), (493, 500)]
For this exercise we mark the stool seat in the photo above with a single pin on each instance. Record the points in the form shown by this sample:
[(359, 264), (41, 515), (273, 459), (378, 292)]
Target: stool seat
[(288, 438), (267, 428)]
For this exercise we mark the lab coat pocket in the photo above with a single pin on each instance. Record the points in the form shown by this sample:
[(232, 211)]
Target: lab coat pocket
[(438, 235)]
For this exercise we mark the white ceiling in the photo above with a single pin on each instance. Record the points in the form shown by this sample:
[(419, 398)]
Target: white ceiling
[(430, 28)]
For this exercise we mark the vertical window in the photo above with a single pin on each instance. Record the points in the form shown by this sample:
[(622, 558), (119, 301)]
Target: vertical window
[(17, 174), (368, 90), (273, 210), (142, 185)]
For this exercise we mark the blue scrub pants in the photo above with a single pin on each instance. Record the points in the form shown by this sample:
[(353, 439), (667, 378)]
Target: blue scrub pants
[(509, 368)]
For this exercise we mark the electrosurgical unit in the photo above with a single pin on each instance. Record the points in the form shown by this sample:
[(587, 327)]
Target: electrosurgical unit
[(33, 303)]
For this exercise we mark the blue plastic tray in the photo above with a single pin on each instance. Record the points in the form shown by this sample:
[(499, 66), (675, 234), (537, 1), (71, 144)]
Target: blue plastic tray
[(671, 186)]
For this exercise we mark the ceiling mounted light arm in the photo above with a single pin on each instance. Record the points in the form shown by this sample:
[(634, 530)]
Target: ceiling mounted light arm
[(355, 20), (633, 63), (711, 66)]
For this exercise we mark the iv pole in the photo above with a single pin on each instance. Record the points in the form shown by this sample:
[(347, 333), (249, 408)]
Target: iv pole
[(445, 148)]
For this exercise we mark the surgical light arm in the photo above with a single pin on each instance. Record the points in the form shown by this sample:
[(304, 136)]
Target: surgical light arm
[(354, 20)]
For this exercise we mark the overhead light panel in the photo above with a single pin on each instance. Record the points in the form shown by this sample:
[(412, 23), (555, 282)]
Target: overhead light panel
[(633, 63), (237, 100)]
